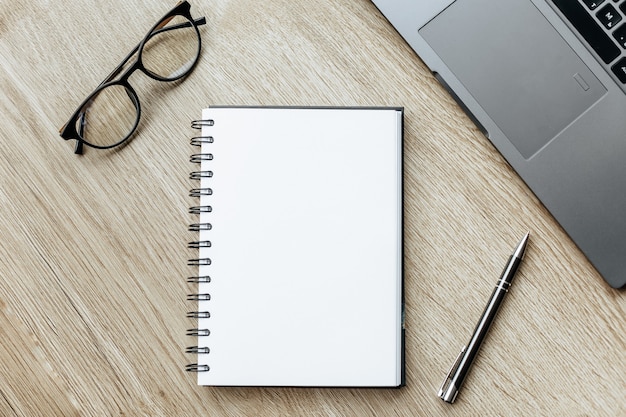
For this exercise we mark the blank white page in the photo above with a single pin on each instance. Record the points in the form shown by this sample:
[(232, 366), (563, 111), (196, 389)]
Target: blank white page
[(306, 247)]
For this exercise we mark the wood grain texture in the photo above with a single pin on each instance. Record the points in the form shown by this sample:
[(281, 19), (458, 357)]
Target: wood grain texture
[(93, 251)]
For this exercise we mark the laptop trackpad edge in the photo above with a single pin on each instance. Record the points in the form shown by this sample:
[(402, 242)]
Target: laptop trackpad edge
[(516, 66)]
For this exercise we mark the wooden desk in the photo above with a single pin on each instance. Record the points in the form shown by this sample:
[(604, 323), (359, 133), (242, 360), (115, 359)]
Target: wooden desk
[(93, 250)]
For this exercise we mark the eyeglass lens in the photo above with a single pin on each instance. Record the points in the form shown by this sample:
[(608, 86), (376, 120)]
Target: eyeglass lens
[(171, 51), (111, 115)]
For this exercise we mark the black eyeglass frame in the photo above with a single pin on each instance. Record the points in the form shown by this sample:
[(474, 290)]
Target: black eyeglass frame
[(69, 131)]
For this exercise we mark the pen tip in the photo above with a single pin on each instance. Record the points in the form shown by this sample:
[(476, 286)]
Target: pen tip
[(521, 247)]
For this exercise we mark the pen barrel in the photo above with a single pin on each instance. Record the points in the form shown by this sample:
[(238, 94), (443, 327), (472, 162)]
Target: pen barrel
[(480, 332)]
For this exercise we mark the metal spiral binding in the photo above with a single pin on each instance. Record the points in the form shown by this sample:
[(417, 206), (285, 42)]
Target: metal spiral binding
[(194, 367), (198, 332), (197, 227), (199, 280), (200, 226), (198, 315), (199, 262), (199, 124), (200, 209), (198, 175), (198, 297), (199, 350), (199, 140), (199, 244), (199, 157), (198, 192)]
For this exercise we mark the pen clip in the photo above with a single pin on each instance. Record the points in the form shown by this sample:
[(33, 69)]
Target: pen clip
[(448, 379)]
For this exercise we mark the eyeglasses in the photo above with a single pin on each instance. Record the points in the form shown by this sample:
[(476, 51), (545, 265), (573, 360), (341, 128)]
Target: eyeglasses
[(110, 114)]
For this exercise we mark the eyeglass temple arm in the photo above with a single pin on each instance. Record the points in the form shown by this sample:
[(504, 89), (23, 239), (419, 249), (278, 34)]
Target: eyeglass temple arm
[(197, 22)]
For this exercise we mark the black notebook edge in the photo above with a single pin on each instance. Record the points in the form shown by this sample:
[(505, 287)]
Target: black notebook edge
[(402, 271)]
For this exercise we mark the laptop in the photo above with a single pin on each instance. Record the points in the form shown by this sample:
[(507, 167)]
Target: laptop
[(545, 80)]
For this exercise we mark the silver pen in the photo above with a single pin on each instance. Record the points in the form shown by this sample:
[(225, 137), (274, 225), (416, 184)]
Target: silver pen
[(461, 366)]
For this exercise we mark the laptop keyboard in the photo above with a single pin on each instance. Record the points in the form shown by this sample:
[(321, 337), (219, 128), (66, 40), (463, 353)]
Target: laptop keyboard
[(602, 24)]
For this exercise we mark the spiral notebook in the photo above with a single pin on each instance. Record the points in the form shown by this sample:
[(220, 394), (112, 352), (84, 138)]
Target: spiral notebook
[(300, 249)]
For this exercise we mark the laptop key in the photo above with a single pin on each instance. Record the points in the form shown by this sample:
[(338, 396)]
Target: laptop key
[(619, 69), (608, 16), (620, 35), (593, 4), (589, 29)]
